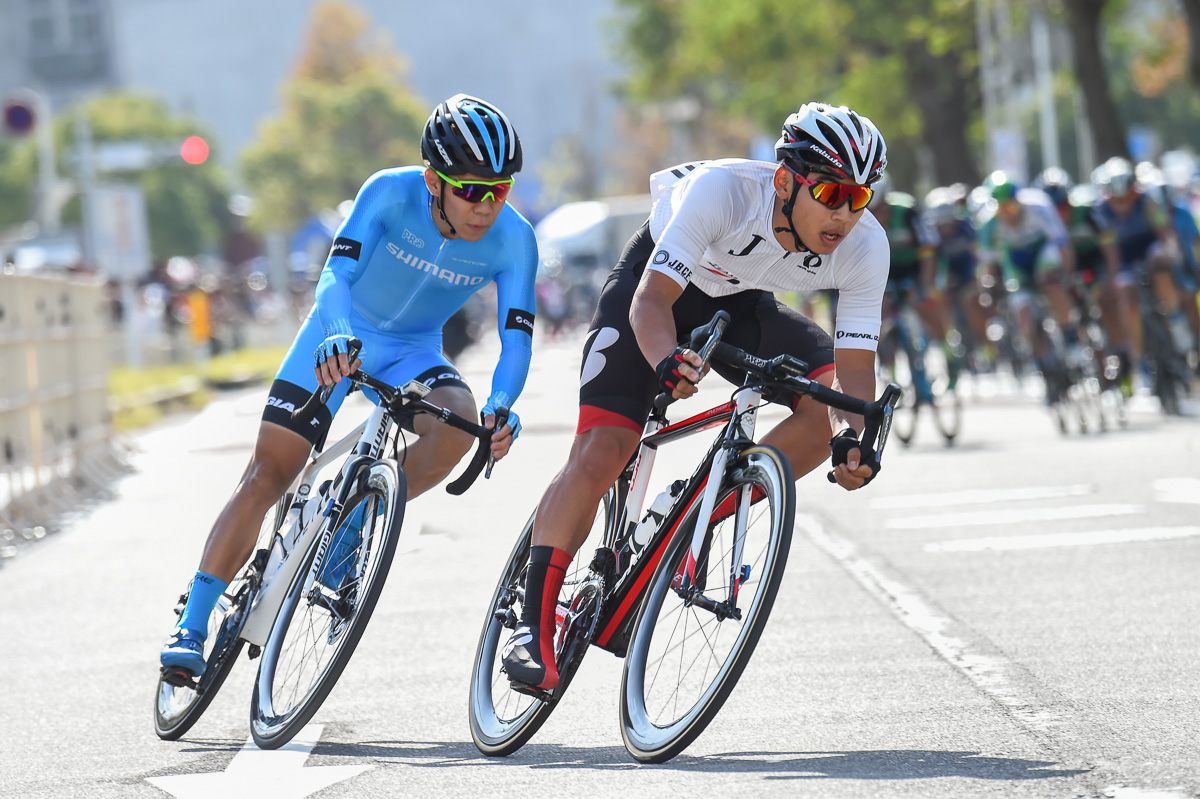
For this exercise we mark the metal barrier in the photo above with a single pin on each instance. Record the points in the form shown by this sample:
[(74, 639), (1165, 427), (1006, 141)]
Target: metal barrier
[(55, 436)]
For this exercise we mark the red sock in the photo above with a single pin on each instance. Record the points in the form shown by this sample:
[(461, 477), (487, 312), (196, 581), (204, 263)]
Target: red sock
[(547, 569)]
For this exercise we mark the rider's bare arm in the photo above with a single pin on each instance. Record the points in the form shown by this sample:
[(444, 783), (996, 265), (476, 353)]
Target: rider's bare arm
[(654, 326)]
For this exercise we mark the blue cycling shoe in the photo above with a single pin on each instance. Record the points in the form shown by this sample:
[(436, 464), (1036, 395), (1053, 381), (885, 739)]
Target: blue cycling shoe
[(184, 650)]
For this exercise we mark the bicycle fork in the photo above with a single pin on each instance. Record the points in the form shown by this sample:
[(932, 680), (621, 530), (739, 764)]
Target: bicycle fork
[(685, 583)]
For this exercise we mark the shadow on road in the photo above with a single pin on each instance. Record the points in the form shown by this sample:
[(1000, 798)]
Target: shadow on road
[(894, 764)]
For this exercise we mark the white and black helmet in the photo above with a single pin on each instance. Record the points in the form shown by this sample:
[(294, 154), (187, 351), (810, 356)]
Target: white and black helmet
[(833, 140), (468, 135)]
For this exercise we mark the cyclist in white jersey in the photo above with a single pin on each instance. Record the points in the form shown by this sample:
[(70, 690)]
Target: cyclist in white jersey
[(722, 235)]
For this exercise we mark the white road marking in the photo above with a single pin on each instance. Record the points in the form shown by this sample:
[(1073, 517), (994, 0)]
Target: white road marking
[(1048, 540), (982, 496), (279, 774), (1015, 516), (1122, 792), (1178, 489), (996, 676)]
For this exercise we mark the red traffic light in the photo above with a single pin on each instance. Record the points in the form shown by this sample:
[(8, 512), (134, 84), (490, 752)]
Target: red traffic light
[(19, 118), (194, 150)]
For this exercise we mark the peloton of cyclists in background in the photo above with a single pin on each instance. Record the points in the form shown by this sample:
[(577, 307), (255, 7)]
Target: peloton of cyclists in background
[(418, 242)]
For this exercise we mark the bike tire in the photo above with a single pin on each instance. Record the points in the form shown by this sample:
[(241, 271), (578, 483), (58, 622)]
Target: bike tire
[(503, 720), (177, 708), (947, 405), (657, 723), (896, 367), (286, 698)]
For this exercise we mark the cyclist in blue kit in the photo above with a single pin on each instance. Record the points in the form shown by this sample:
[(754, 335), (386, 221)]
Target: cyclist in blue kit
[(417, 244)]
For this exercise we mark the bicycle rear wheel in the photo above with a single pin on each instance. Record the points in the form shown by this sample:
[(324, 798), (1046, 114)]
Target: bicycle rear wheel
[(684, 660), (177, 706), (503, 720), (318, 628)]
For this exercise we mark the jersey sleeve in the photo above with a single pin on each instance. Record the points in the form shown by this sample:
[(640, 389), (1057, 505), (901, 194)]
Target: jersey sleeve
[(699, 214), (515, 309), (353, 245)]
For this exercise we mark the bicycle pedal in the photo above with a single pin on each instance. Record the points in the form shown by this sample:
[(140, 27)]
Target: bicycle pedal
[(541, 694), (179, 678)]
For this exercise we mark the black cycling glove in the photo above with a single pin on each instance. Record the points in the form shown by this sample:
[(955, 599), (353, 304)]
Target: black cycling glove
[(843, 442), (668, 371)]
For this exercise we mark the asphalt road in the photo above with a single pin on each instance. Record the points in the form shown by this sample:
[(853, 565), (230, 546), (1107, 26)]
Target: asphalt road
[(1014, 616)]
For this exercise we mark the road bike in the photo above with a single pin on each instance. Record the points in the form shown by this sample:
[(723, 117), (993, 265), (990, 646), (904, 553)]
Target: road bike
[(304, 599), (685, 610), (1170, 376), (927, 375)]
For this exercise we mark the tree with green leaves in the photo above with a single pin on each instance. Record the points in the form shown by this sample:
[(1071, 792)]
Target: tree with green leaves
[(347, 114), (915, 76)]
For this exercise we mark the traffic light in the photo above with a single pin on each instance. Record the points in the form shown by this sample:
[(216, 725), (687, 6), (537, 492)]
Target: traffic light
[(194, 150), (19, 117)]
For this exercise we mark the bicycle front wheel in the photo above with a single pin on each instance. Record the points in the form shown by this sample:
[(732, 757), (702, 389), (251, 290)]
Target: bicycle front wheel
[(178, 705), (322, 619), (689, 646), (503, 720)]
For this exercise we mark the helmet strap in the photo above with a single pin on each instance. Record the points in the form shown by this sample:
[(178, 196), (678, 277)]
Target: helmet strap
[(787, 214), (438, 202)]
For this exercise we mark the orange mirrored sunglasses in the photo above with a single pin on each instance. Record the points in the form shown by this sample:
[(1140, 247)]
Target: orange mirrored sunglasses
[(834, 195)]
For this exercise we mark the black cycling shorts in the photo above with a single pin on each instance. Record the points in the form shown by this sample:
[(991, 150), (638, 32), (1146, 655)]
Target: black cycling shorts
[(286, 397), (616, 385)]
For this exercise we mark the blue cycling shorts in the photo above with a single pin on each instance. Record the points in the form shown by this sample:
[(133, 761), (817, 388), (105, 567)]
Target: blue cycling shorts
[(390, 358)]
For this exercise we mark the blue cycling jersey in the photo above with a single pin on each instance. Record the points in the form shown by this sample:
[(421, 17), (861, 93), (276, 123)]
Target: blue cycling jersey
[(1136, 233), (957, 250), (391, 271)]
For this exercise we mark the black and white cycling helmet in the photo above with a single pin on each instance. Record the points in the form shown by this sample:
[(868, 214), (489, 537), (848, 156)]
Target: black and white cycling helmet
[(832, 140), (467, 135)]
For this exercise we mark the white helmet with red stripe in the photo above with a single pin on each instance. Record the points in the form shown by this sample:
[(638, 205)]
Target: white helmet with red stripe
[(833, 140)]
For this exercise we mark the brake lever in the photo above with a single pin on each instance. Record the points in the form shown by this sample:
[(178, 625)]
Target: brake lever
[(501, 420)]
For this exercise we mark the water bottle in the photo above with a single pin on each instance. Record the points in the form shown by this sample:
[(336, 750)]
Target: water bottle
[(298, 517), (654, 515)]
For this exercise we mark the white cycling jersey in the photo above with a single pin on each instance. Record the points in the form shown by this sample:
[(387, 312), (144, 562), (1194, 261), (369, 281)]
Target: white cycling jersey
[(712, 227)]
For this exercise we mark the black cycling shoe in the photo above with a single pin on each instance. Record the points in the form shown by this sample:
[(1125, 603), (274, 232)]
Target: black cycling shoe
[(523, 660)]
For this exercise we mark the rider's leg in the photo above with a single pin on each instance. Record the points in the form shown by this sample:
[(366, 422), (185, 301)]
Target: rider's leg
[(279, 455), (440, 447), (564, 517), (1128, 294)]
